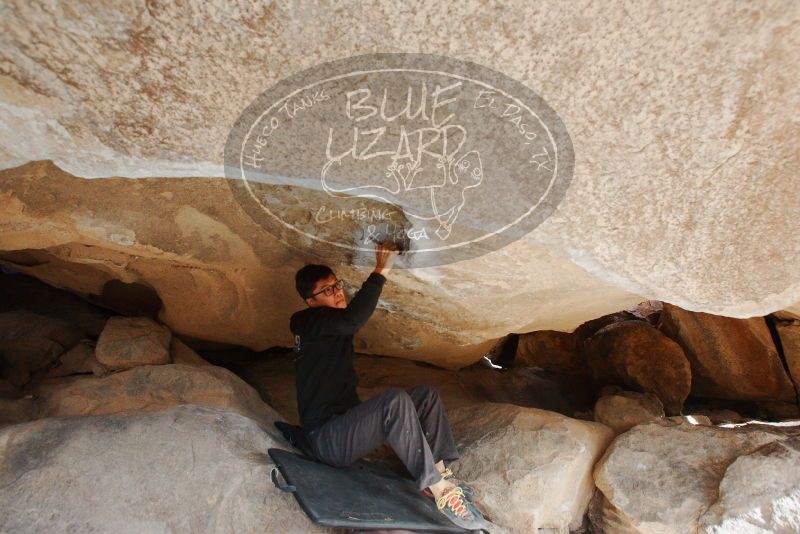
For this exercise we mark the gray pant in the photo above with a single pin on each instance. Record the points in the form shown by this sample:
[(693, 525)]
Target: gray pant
[(412, 421)]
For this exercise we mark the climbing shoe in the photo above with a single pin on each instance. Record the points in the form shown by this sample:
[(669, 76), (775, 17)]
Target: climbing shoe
[(469, 493), (459, 510)]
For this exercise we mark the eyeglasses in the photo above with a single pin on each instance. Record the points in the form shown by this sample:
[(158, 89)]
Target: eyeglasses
[(328, 290)]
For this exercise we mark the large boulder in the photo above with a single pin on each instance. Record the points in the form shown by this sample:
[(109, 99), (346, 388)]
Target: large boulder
[(637, 356), (531, 468), (661, 477), (701, 213), (760, 492), (730, 358), (30, 343), (152, 388), (186, 469), (127, 342)]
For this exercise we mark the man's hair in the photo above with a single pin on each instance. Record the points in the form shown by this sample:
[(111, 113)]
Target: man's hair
[(307, 277)]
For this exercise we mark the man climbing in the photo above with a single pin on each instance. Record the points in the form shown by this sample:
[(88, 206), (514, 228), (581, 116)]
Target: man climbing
[(339, 426)]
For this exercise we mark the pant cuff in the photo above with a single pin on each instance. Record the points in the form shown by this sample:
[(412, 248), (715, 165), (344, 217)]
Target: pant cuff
[(427, 479)]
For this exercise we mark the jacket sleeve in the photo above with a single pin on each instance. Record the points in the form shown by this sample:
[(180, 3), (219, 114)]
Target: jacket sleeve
[(326, 321)]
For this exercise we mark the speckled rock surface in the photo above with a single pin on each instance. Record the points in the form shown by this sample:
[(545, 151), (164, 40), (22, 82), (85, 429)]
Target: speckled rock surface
[(531, 468), (680, 116), (760, 492), (662, 477), (185, 469)]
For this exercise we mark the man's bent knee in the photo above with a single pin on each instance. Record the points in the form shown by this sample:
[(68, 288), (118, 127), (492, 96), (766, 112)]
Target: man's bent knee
[(397, 397), (426, 390)]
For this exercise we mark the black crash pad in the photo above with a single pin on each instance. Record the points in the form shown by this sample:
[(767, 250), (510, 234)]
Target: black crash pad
[(365, 495)]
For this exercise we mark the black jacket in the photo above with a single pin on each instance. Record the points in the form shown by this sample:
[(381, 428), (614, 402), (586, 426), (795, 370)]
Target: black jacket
[(325, 378)]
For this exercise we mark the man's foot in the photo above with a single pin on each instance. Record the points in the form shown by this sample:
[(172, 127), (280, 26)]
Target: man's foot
[(469, 493), (459, 510)]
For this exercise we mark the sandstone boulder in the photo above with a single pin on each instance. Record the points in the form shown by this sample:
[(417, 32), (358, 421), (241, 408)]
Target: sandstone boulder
[(30, 342), (551, 350), (760, 492), (150, 388), (622, 410), (730, 358), (186, 469), (635, 355), (662, 477), (127, 342), (531, 468)]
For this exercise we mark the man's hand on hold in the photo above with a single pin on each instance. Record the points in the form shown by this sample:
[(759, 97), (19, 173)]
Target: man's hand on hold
[(385, 254)]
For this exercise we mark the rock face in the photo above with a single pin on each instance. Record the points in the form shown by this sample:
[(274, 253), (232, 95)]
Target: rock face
[(130, 98), (532, 468), (222, 269), (663, 477), (623, 410), (185, 469), (730, 358), (637, 356), (127, 342)]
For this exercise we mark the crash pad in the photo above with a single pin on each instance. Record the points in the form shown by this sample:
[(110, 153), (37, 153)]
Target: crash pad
[(365, 495)]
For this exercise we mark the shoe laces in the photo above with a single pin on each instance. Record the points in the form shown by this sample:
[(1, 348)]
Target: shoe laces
[(449, 475), (454, 499)]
